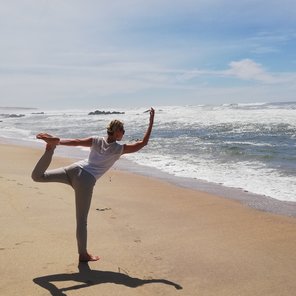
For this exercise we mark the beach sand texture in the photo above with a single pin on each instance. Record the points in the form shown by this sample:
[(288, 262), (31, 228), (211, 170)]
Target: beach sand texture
[(153, 238)]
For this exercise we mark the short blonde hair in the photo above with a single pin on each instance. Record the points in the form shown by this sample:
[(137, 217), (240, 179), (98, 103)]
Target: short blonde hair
[(114, 126)]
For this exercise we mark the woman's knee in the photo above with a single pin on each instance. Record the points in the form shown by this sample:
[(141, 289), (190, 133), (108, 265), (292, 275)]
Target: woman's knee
[(37, 177)]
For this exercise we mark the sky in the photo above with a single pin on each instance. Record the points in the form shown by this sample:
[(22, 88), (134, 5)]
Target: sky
[(93, 53)]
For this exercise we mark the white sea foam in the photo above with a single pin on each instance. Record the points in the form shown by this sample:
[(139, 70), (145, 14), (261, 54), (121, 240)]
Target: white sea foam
[(249, 176)]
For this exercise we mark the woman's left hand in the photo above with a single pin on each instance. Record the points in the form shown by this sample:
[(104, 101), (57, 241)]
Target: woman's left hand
[(152, 113)]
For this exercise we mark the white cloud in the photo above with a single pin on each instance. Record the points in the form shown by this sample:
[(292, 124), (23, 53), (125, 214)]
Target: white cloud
[(244, 70), (249, 70)]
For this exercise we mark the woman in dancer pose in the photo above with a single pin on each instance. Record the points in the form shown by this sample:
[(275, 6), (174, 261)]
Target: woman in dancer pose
[(82, 175)]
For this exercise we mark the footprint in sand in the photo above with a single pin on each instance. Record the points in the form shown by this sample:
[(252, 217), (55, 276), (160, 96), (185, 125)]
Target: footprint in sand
[(103, 209), (23, 242), (121, 270), (47, 265)]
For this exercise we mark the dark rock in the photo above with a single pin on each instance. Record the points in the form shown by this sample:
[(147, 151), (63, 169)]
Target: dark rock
[(98, 112), (16, 115)]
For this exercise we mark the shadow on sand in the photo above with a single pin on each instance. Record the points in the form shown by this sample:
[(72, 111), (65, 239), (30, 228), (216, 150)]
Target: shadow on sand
[(87, 277)]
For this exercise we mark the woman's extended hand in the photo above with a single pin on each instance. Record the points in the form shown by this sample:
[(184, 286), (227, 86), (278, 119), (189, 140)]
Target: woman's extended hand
[(130, 148), (152, 113)]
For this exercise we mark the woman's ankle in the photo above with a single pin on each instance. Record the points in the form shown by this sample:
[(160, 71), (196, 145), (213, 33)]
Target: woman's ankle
[(88, 257)]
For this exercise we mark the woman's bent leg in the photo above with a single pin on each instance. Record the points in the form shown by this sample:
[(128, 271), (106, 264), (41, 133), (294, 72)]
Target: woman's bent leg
[(40, 173)]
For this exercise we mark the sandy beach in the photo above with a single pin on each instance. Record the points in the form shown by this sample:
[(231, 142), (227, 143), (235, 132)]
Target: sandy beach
[(154, 238)]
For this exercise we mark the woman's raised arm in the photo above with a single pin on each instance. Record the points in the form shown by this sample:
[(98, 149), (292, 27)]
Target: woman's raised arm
[(130, 148)]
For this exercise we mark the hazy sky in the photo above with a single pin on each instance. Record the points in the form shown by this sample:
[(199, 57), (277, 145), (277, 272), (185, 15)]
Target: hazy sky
[(92, 53)]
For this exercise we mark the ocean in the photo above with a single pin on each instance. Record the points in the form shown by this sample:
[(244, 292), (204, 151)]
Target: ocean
[(250, 147)]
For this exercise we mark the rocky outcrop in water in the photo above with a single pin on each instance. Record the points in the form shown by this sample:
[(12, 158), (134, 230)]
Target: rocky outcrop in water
[(12, 115), (98, 112)]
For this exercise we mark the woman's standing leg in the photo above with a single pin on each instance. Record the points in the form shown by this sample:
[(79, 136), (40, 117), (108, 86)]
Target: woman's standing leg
[(83, 184)]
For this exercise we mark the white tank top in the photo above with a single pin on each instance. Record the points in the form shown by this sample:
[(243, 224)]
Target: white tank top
[(101, 157)]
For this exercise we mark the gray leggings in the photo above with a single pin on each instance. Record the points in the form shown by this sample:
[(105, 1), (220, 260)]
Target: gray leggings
[(81, 181)]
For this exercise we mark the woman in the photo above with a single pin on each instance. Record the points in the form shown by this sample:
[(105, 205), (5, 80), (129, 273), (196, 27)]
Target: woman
[(82, 175)]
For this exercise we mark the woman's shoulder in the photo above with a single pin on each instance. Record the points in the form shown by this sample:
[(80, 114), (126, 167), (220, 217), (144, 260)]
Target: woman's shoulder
[(97, 140)]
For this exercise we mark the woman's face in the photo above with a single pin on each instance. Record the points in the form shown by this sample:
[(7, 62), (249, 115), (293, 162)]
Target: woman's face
[(119, 134)]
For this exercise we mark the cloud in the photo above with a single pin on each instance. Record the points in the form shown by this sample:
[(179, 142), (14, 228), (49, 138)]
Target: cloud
[(247, 69), (241, 70)]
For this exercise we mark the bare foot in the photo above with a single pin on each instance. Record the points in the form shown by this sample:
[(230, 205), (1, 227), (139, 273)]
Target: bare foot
[(87, 257), (49, 139)]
